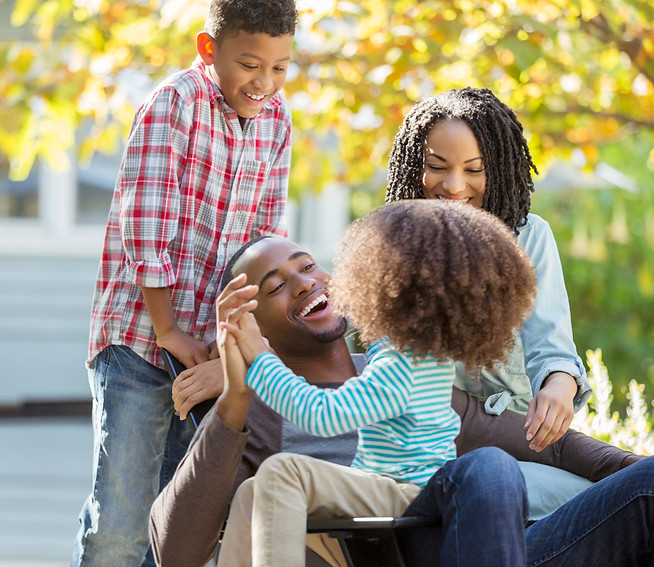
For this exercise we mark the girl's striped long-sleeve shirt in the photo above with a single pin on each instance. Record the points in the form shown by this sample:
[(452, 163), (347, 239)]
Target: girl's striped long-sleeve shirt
[(400, 405)]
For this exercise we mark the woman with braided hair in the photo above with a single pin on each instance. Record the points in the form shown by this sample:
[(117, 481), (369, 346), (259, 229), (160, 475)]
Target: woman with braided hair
[(466, 145)]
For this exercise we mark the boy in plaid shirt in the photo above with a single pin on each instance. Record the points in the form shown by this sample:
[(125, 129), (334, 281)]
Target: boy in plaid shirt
[(205, 170)]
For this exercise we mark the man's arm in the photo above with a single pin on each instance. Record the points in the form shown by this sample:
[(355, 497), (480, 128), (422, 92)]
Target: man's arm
[(187, 516), (574, 452)]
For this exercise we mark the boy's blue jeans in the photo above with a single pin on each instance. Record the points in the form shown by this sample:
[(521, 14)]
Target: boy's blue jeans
[(138, 442)]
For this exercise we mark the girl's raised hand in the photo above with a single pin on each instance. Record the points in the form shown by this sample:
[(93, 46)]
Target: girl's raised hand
[(243, 326)]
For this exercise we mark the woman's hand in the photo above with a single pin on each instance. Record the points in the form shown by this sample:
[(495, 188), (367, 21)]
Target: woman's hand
[(551, 411)]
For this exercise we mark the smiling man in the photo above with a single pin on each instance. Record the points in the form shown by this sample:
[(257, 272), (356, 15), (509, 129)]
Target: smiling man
[(295, 314), (293, 305)]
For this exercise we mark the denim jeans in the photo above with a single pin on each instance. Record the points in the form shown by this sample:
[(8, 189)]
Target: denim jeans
[(610, 523), (481, 500), (138, 442)]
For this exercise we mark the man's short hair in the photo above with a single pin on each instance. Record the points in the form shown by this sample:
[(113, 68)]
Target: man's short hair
[(228, 17), (228, 274)]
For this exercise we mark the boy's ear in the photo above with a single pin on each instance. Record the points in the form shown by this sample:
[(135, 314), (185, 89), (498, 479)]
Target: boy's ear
[(205, 46)]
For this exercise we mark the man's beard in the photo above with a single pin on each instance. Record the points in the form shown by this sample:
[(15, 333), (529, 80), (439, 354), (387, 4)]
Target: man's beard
[(328, 335)]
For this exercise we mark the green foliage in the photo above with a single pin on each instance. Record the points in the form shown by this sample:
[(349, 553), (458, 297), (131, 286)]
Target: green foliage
[(577, 72), (606, 243), (634, 431)]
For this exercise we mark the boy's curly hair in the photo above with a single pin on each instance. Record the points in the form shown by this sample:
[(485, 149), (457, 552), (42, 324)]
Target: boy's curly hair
[(507, 159), (436, 278), (228, 17)]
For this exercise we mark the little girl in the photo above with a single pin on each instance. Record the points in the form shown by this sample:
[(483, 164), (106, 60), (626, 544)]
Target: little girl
[(424, 283)]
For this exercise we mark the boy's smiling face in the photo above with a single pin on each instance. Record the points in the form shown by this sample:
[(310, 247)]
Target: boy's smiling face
[(249, 68)]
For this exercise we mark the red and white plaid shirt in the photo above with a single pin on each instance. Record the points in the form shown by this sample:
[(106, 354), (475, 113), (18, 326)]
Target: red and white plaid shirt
[(193, 187)]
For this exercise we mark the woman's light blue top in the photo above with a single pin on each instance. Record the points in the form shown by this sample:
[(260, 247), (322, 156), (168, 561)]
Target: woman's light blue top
[(543, 345)]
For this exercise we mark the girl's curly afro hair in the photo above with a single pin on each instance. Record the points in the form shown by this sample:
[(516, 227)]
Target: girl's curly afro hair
[(499, 133), (436, 278)]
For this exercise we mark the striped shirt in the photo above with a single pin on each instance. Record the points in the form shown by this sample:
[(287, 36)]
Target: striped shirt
[(193, 187), (400, 405)]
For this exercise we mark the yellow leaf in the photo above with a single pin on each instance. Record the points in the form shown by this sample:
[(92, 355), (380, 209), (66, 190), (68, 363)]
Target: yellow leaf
[(23, 60), (645, 282), (22, 11), (589, 9)]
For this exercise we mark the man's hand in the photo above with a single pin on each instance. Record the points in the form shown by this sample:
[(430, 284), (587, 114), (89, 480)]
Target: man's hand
[(234, 403), (235, 294), (551, 411), (234, 366), (197, 384), (234, 316), (243, 326)]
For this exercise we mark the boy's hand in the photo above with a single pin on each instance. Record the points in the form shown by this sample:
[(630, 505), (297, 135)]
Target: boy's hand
[(212, 348), (551, 411), (188, 350), (202, 382)]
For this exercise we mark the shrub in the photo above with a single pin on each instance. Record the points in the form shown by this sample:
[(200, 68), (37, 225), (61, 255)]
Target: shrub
[(596, 419)]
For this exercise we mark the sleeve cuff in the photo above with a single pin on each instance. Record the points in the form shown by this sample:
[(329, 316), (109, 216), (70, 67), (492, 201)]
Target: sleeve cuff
[(577, 371), (156, 272), (257, 367)]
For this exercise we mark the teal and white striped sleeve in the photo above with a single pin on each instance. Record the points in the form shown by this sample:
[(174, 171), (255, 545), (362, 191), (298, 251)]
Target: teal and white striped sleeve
[(381, 392)]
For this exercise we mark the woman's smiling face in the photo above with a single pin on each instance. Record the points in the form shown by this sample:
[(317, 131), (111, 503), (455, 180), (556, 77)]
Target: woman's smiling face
[(453, 167)]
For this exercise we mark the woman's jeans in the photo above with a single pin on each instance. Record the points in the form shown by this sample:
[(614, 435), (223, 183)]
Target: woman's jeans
[(610, 523), (138, 442), (481, 501)]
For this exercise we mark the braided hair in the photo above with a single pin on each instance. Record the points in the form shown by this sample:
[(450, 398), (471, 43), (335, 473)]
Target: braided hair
[(507, 159)]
